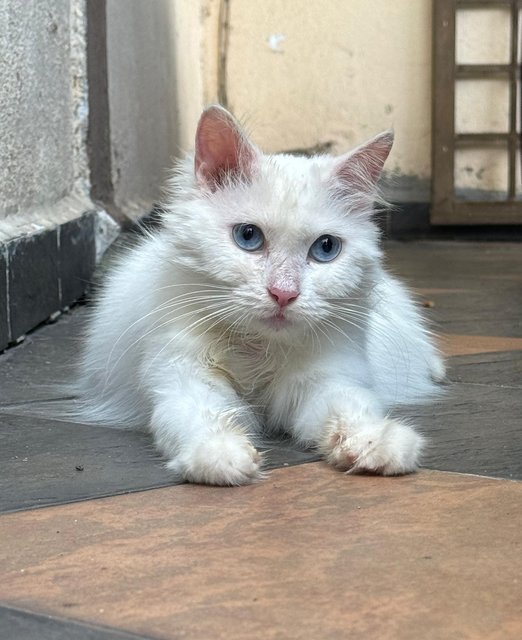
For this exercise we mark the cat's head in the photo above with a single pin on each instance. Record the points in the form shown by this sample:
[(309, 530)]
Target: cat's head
[(285, 241)]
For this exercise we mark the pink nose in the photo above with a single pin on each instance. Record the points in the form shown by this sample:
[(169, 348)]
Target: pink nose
[(282, 297)]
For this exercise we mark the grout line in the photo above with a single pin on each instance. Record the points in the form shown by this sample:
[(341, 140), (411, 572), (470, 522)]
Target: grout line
[(484, 384), (481, 476)]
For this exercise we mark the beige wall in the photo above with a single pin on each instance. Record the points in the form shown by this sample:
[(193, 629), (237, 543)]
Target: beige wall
[(43, 111), (141, 78), (334, 71), (305, 73)]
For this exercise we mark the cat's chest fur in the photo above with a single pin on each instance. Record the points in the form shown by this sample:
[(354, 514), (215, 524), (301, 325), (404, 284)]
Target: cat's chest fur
[(249, 364), (268, 376)]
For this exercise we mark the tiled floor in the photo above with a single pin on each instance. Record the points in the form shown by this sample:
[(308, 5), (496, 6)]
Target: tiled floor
[(118, 552)]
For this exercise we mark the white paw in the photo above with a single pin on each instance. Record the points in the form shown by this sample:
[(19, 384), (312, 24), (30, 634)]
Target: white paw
[(223, 458), (379, 445)]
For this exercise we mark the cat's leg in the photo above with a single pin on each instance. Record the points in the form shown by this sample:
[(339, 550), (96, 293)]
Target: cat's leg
[(350, 429), (403, 353), (199, 424)]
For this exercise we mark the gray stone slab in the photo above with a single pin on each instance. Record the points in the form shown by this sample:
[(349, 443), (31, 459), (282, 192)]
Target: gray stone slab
[(491, 308), (502, 369), (285, 453), (476, 429), (44, 462), (24, 625), (486, 279), (35, 369), (457, 263)]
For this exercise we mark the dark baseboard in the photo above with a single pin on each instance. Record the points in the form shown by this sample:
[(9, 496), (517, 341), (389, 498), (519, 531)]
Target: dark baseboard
[(42, 273)]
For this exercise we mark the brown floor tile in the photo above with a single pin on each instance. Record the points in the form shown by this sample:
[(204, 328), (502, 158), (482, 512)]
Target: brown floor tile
[(463, 345), (308, 553), (492, 369)]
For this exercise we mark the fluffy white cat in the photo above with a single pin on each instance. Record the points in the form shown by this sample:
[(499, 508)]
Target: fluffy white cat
[(261, 305)]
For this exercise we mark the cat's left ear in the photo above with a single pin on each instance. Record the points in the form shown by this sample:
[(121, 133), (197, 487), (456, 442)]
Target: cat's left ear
[(223, 151), (360, 169)]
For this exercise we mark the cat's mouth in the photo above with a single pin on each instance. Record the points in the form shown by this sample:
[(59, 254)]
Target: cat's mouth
[(278, 320)]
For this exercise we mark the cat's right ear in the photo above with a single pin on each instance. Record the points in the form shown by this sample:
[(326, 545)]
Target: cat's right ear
[(223, 152), (360, 169)]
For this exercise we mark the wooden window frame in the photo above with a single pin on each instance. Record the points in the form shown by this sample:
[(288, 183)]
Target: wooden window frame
[(446, 208)]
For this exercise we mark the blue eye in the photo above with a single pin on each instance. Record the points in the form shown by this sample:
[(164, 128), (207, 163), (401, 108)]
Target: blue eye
[(248, 237), (325, 249)]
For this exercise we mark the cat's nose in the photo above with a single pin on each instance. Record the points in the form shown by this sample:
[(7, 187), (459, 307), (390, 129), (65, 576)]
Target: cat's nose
[(282, 296)]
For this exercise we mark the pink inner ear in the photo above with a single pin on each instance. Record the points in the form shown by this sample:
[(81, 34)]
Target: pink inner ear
[(222, 149), (361, 169)]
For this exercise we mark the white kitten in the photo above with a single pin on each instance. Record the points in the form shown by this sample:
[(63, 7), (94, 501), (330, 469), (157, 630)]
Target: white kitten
[(261, 305)]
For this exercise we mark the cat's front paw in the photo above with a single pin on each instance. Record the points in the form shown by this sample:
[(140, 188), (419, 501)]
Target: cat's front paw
[(223, 458), (379, 445)]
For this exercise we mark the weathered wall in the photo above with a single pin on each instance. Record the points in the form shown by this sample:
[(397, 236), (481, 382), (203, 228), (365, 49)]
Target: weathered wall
[(142, 89), (44, 106), (47, 225), (36, 104), (305, 75), (331, 74), (335, 73)]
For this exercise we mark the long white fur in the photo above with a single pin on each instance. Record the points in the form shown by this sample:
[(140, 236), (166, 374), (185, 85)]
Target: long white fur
[(180, 340)]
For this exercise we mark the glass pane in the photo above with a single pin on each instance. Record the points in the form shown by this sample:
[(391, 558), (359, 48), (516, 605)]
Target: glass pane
[(483, 35), (482, 106), (481, 173)]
